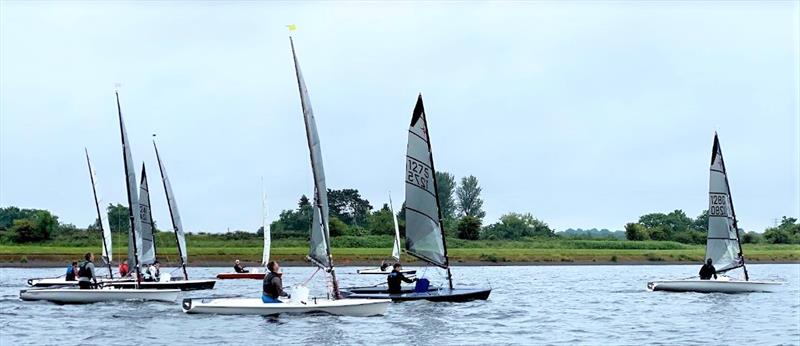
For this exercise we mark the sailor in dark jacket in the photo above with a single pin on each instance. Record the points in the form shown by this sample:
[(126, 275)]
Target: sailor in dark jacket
[(273, 284), (707, 271), (86, 277), (396, 278), (239, 268)]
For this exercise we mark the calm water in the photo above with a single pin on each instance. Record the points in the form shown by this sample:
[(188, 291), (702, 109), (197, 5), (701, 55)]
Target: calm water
[(529, 305)]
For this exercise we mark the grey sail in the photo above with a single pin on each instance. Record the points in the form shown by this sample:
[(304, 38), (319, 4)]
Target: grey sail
[(424, 238), (319, 251), (134, 241), (722, 243), (148, 249), (174, 215)]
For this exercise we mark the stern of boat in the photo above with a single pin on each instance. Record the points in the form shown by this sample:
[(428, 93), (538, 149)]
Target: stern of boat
[(187, 305)]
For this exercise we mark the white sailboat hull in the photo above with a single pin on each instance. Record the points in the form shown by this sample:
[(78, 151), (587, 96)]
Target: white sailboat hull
[(62, 282), (254, 306), (711, 286), (79, 296)]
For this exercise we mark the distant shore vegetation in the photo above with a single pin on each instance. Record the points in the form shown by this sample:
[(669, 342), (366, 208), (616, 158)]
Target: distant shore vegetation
[(354, 222)]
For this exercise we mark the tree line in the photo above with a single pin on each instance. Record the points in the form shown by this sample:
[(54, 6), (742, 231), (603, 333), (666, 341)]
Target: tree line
[(676, 226), (462, 212)]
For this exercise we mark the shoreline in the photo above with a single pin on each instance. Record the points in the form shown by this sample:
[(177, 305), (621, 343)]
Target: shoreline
[(367, 264)]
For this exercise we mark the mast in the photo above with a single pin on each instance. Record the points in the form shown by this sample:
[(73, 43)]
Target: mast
[(735, 222), (171, 214), (264, 226), (99, 215), (436, 191), (128, 188), (318, 200)]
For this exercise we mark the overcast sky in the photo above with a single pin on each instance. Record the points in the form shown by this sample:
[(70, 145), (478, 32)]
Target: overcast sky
[(585, 114)]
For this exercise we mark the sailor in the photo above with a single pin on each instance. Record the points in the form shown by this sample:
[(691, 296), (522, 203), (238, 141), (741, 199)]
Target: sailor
[(707, 271), (86, 276), (384, 265), (124, 270), (396, 278), (273, 284), (155, 272), (72, 271), (239, 268)]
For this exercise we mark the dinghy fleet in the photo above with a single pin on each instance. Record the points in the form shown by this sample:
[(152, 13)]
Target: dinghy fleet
[(425, 240)]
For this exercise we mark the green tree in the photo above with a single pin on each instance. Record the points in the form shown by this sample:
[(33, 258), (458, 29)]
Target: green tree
[(636, 232), (469, 198), (118, 218), (336, 227), (38, 227), (701, 222), (788, 232), (515, 226), (9, 214), (348, 206), (380, 221), (469, 228), (298, 221), (445, 187)]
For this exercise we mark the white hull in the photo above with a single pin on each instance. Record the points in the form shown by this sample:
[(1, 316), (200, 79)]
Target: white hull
[(254, 306), (79, 296), (62, 282), (710, 286)]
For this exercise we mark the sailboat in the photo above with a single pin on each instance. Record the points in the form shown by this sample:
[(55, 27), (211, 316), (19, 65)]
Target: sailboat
[(723, 245), (395, 250), (319, 252), (77, 296), (253, 274), (168, 282), (105, 231), (425, 238)]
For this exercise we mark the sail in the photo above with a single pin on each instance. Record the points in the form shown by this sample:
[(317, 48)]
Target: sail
[(265, 227), (396, 247), (134, 240), (102, 215), (424, 238), (319, 251), (722, 243), (148, 249), (173, 212)]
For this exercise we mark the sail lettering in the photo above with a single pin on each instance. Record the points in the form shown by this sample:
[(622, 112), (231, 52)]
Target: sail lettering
[(417, 174), (718, 203)]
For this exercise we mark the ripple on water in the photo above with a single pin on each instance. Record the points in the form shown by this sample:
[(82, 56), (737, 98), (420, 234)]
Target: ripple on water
[(529, 305)]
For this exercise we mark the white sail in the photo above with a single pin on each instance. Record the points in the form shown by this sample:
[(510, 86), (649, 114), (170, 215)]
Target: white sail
[(396, 246), (424, 238), (265, 227), (102, 215), (148, 249), (134, 240), (173, 212), (319, 251), (722, 244)]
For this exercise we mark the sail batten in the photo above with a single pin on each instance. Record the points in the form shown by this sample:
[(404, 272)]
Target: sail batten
[(424, 235), (722, 242), (148, 248)]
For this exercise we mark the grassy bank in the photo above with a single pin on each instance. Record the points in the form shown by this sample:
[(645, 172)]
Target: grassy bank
[(348, 251)]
